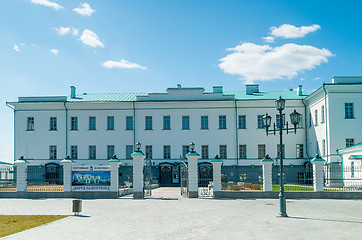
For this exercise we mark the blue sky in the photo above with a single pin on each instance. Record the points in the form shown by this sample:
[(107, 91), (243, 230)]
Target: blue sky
[(146, 46)]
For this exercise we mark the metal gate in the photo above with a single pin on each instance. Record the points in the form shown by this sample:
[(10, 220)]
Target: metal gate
[(147, 178), (206, 188), (184, 179)]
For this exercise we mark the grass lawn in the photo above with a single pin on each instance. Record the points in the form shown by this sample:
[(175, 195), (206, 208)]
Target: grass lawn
[(293, 188), (10, 224)]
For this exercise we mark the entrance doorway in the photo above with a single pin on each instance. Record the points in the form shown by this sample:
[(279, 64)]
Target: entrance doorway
[(166, 175)]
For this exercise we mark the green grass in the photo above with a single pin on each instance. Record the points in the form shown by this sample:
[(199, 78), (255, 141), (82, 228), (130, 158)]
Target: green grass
[(293, 188), (10, 224)]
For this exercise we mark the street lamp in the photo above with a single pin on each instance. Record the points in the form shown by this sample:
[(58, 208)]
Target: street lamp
[(138, 147), (192, 147), (295, 119)]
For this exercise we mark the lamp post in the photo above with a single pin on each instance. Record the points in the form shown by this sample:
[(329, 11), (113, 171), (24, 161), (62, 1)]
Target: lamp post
[(295, 119)]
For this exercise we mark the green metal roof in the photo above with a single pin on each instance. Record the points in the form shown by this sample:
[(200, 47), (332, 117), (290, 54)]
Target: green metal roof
[(272, 95), (6, 163), (356, 156)]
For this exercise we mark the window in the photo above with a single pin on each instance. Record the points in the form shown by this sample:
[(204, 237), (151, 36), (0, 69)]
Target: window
[(74, 152), (166, 122), (260, 121), (148, 122), (129, 151), (92, 123), (278, 120), (348, 111), (30, 124), (242, 122), (261, 151), (185, 122), (110, 123), (74, 123), (300, 124), (242, 151), (278, 150), (148, 151), (223, 151), (53, 124), (300, 151), (322, 114), (92, 152), (185, 150), (204, 122), (323, 147), (222, 122), (349, 142), (167, 152), (204, 151), (310, 120), (352, 169), (316, 117), (110, 151), (52, 152), (317, 148), (129, 123)]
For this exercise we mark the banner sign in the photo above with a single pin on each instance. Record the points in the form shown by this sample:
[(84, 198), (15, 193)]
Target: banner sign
[(91, 178)]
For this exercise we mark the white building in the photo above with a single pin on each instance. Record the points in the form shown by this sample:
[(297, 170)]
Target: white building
[(92, 127)]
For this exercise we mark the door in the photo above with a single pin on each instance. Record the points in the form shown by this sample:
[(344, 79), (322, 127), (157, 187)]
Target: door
[(166, 175)]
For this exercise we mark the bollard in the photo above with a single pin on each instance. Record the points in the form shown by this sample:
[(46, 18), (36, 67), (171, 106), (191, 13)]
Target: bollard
[(77, 207)]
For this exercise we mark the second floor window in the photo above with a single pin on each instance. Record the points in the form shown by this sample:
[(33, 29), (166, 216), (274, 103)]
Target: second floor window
[(222, 122), (185, 122), (300, 151), (110, 151), (92, 123), (278, 120), (205, 152), (322, 114), (242, 151), (30, 124), (261, 151), (52, 152), (129, 123), (242, 122), (260, 122), (74, 152), (348, 111), (323, 147), (129, 151), (316, 117), (148, 151), (74, 123), (148, 122), (166, 122), (92, 152), (167, 152), (53, 124), (204, 122), (223, 151), (278, 150), (349, 142), (110, 123)]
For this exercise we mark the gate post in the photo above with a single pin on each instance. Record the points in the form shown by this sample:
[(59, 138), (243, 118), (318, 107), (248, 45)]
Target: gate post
[(138, 158), (114, 162), (216, 167), (67, 173), (192, 158), (318, 174), (267, 173), (21, 174)]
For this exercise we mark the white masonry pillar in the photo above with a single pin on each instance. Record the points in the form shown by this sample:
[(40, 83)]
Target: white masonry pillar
[(192, 158), (216, 178), (138, 158), (21, 172), (318, 173), (67, 173), (267, 173), (114, 162)]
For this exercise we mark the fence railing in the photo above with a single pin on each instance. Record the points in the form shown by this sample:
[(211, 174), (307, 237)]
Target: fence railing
[(242, 178), (7, 178), (342, 178), (296, 178), (44, 178)]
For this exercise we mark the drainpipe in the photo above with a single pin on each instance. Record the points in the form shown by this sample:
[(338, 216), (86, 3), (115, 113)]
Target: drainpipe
[(14, 146), (66, 128), (134, 125), (236, 133), (305, 129)]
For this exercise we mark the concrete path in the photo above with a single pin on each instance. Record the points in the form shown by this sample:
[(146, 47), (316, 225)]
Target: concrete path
[(174, 217)]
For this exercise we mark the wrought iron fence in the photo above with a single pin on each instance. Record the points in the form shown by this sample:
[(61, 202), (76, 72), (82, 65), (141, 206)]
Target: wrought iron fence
[(296, 178), (125, 180), (342, 178), (48, 178), (7, 178), (242, 178)]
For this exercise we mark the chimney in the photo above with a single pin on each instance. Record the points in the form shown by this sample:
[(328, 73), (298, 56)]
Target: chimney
[(72, 92), (217, 89), (299, 90), (252, 88), (178, 85)]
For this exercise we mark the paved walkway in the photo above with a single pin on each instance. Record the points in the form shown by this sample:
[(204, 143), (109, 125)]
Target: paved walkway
[(174, 217)]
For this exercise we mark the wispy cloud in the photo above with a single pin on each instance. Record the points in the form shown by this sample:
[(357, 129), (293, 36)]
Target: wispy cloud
[(291, 31), (122, 64), (316, 78), (84, 9), (254, 62), (54, 51), (47, 3), (16, 48), (268, 39), (67, 30), (91, 39)]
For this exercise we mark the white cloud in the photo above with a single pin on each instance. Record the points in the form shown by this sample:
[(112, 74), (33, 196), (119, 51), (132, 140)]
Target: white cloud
[(91, 39), (67, 30), (262, 62), (84, 10), (317, 78), (54, 51), (122, 64), (47, 3), (290, 31), (269, 39), (16, 48)]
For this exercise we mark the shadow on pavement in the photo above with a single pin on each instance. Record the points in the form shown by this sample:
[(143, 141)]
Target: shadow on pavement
[(325, 220)]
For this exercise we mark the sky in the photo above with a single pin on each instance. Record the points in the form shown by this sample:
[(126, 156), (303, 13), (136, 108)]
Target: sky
[(104, 46)]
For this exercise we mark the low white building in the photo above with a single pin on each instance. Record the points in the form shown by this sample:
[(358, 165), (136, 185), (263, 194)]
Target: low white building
[(92, 127)]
